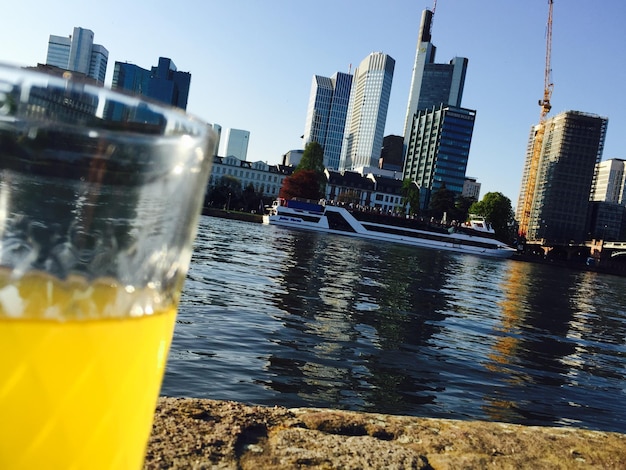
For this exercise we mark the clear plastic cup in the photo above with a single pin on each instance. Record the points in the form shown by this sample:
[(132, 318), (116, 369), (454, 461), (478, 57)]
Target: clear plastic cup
[(100, 195)]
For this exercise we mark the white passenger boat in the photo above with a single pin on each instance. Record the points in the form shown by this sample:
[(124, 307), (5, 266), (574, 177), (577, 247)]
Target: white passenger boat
[(476, 237)]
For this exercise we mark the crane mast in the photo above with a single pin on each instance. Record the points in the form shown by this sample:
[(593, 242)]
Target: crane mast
[(531, 177), (547, 82)]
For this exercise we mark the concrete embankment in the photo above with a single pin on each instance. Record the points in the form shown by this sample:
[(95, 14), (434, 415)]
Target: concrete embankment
[(206, 434)]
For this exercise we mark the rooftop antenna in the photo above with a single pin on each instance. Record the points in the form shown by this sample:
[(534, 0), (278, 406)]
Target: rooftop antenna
[(433, 17)]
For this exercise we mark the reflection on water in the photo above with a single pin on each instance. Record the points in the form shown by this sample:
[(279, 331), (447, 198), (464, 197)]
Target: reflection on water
[(274, 316)]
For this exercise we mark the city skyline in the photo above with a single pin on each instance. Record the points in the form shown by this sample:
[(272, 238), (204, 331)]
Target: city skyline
[(258, 78)]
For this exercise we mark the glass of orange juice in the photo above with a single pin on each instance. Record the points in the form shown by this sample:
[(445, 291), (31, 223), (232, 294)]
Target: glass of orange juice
[(100, 195)]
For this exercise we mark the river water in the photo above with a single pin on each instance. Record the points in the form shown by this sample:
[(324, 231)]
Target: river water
[(275, 316)]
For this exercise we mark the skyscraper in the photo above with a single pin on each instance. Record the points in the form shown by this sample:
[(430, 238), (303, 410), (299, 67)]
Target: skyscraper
[(237, 143), (438, 149), (326, 115), (572, 146), (78, 53), (432, 84), (437, 130), (218, 130), (367, 112), (610, 182), (163, 82), (607, 218), (392, 155)]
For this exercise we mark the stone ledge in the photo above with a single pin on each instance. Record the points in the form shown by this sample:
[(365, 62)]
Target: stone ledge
[(206, 434)]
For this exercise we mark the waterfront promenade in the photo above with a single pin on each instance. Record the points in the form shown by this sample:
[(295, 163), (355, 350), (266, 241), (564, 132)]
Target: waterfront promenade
[(207, 434)]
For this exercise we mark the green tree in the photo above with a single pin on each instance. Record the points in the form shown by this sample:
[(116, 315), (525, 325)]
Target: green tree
[(226, 193), (312, 158), (251, 199), (442, 200), (410, 195), (462, 205), (496, 208)]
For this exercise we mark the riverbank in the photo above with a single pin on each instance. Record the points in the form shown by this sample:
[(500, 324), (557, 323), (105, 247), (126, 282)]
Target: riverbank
[(201, 434), (233, 215), (617, 269)]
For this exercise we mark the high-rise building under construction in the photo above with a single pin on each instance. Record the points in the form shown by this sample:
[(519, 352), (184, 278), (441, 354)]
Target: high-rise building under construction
[(572, 145)]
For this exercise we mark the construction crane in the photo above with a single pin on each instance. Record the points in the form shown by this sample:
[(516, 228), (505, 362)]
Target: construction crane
[(531, 178)]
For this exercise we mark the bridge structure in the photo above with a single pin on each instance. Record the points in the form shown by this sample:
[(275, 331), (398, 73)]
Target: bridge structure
[(600, 255)]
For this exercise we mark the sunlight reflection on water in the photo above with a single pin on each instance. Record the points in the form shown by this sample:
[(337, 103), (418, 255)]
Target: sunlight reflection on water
[(273, 316)]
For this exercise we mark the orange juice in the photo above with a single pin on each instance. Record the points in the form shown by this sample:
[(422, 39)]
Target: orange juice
[(73, 385)]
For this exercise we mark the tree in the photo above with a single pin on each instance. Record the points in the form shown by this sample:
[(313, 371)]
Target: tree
[(442, 201), (410, 195), (308, 180), (303, 184), (251, 199), (312, 158), (462, 205), (496, 208), (349, 197), (226, 193)]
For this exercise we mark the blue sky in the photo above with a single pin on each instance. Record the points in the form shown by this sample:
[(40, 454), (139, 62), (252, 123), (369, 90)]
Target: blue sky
[(252, 61)]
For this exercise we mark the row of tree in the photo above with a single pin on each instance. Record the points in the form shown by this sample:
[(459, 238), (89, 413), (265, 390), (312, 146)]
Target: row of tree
[(229, 194), (308, 181)]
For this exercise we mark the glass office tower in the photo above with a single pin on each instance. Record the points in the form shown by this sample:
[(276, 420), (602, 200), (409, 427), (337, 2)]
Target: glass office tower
[(237, 143), (318, 111), (162, 82), (438, 149), (367, 112), (432, 84), (326, 115)]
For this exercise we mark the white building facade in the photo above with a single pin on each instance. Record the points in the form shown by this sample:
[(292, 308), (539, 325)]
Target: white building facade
[(78, 53), (266, 179), (471, 188), (610, 182), (236, 144)]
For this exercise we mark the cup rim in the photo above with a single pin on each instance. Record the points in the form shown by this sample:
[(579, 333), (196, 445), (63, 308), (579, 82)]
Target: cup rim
[(29, 76)]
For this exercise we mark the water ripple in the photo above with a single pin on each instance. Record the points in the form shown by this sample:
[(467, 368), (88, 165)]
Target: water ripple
[(274, 316)]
